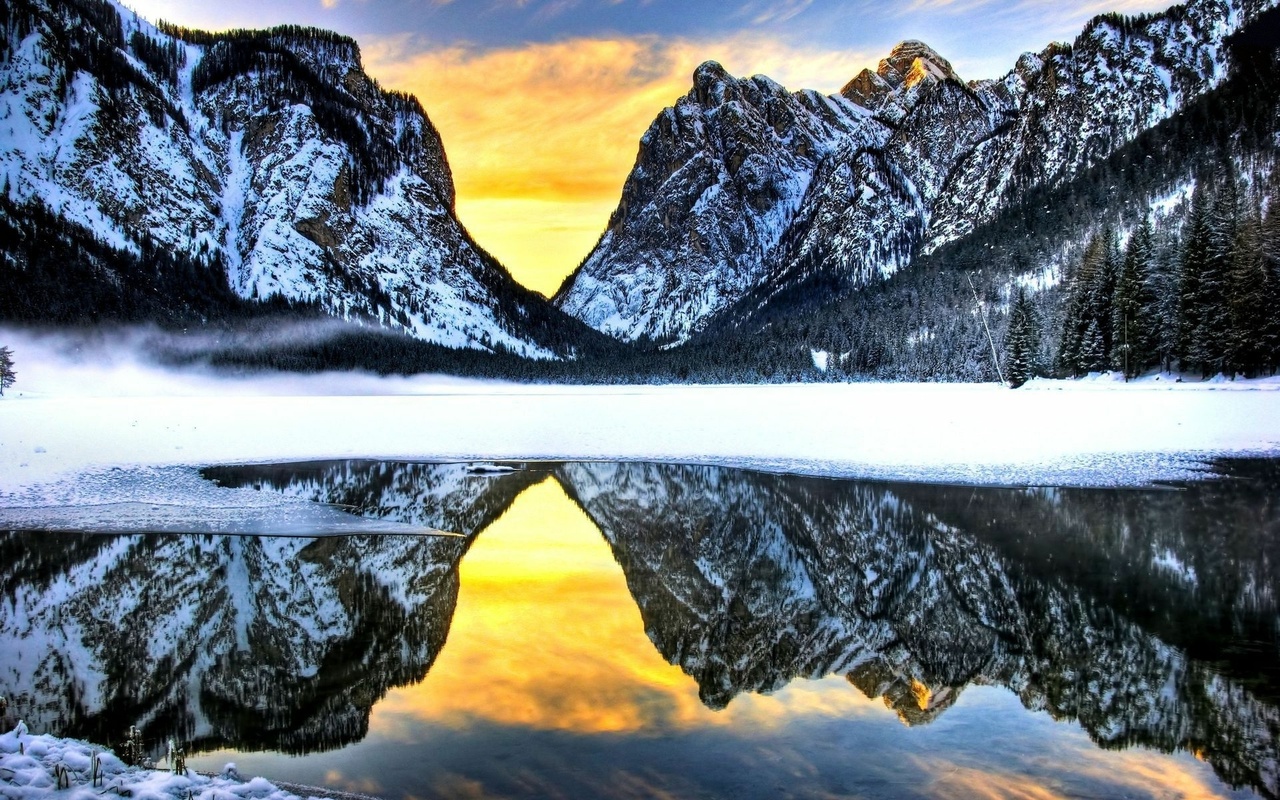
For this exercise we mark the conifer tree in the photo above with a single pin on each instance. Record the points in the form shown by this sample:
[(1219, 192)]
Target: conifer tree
[(1086, 328), (1211, 343), (1269, 253), (1102, 293), (1195, 256), (1022, 343), (1135, 308), (7, 374), (1247, 301)]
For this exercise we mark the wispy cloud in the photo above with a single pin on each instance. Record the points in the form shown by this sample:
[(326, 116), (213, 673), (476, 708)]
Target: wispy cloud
[(541, 137), (772, 12)]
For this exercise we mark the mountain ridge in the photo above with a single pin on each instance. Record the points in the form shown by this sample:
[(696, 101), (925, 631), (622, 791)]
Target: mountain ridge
[(876, 188), (268, 155)]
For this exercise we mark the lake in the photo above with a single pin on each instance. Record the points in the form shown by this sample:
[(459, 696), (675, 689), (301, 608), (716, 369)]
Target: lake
[(655, 630)]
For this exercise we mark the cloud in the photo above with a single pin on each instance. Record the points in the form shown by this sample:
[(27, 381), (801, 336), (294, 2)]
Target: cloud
[(774, 12), (548, 127)]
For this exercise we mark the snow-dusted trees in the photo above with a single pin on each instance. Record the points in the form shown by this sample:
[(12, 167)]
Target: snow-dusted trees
[(1022, 343), (1220, 312), (1087, 328), (1206, 265), (1135, 310), (7, 374), (1248, 304)]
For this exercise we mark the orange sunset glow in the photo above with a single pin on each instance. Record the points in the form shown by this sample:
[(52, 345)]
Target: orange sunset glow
[(547, 636), (541, 137)]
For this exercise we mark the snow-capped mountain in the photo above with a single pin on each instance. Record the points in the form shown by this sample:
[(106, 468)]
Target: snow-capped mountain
[(268, 155), (743, 187)]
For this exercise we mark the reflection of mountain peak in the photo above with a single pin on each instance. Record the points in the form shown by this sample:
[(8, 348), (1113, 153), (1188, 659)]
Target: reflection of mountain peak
[(282, 643), (744, 580), (749, 580), (915, 702)]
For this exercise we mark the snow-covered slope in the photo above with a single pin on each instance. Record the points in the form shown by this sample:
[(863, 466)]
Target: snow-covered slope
[(269, 155), (743, 187)]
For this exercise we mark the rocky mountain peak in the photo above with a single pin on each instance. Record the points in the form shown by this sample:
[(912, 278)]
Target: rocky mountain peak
[(908, 64), (911, 61), (742, 190), (710, 82)]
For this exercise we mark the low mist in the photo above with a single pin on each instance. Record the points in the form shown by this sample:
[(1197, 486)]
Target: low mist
[(145, 361)]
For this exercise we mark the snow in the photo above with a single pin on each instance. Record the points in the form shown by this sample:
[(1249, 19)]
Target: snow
[(821, 359), (118, 444), (30, 767)]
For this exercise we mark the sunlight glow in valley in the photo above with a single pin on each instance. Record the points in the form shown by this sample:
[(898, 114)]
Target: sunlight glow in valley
[(545, 615)]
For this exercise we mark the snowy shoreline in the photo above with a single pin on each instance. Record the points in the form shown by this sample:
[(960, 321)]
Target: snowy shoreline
[(106, 432), (31, 766)]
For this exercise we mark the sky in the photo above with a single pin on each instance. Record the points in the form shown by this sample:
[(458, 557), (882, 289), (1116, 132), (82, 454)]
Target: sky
[(541, 103)]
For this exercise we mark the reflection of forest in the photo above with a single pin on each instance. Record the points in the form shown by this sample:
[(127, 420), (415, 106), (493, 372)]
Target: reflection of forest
[(1149, 616)]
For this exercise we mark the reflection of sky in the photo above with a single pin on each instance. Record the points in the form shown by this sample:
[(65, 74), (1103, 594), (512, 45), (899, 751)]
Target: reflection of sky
[(542, 102), (547, 686), (546, 636)]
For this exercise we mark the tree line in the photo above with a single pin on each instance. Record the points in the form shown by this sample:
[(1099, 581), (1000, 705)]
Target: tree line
[(1210, 305)]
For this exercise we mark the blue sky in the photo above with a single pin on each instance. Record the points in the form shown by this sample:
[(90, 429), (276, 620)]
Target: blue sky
[(541, 102)]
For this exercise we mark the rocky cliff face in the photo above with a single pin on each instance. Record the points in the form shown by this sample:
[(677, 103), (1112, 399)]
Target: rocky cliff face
[(269, 155), (743, 187)]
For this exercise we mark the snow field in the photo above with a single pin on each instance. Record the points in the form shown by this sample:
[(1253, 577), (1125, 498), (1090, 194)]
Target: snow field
[(1047, 432)]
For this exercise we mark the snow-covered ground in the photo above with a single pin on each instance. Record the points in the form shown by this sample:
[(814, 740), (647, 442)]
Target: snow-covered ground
[(105, 428), (31, 767)]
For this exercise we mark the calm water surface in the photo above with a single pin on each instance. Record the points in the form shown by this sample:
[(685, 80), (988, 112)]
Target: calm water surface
[(646, 630)]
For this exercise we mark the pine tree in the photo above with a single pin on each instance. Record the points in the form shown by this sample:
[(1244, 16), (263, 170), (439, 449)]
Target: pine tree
[(1247, 302), (1022, 343), (1269, 252), (7, 374), (1213, 335), (1086, 328), (1102, 292), (1092, 352), (1135, 308), (1190, 272)]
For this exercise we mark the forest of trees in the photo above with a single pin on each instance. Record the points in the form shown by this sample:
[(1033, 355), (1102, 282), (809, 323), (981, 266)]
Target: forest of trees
[(1208, 306)]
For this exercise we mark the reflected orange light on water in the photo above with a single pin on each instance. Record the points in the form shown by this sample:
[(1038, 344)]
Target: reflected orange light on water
[(547, 636)]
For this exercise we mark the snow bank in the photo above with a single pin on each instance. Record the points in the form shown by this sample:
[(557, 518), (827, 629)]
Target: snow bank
[(32, 765), (84, 433)]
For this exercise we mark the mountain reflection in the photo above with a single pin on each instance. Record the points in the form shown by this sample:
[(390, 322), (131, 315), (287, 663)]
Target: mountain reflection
[(1150, 617)]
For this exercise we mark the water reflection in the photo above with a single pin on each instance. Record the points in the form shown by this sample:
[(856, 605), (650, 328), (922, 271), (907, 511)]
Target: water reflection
[(715, 600)]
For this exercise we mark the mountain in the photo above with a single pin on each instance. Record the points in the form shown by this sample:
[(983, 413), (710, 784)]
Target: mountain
[(743, 189), (165, 173)]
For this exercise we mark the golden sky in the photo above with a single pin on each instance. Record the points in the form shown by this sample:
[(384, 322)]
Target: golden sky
[(541, 136), (541, 103)]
